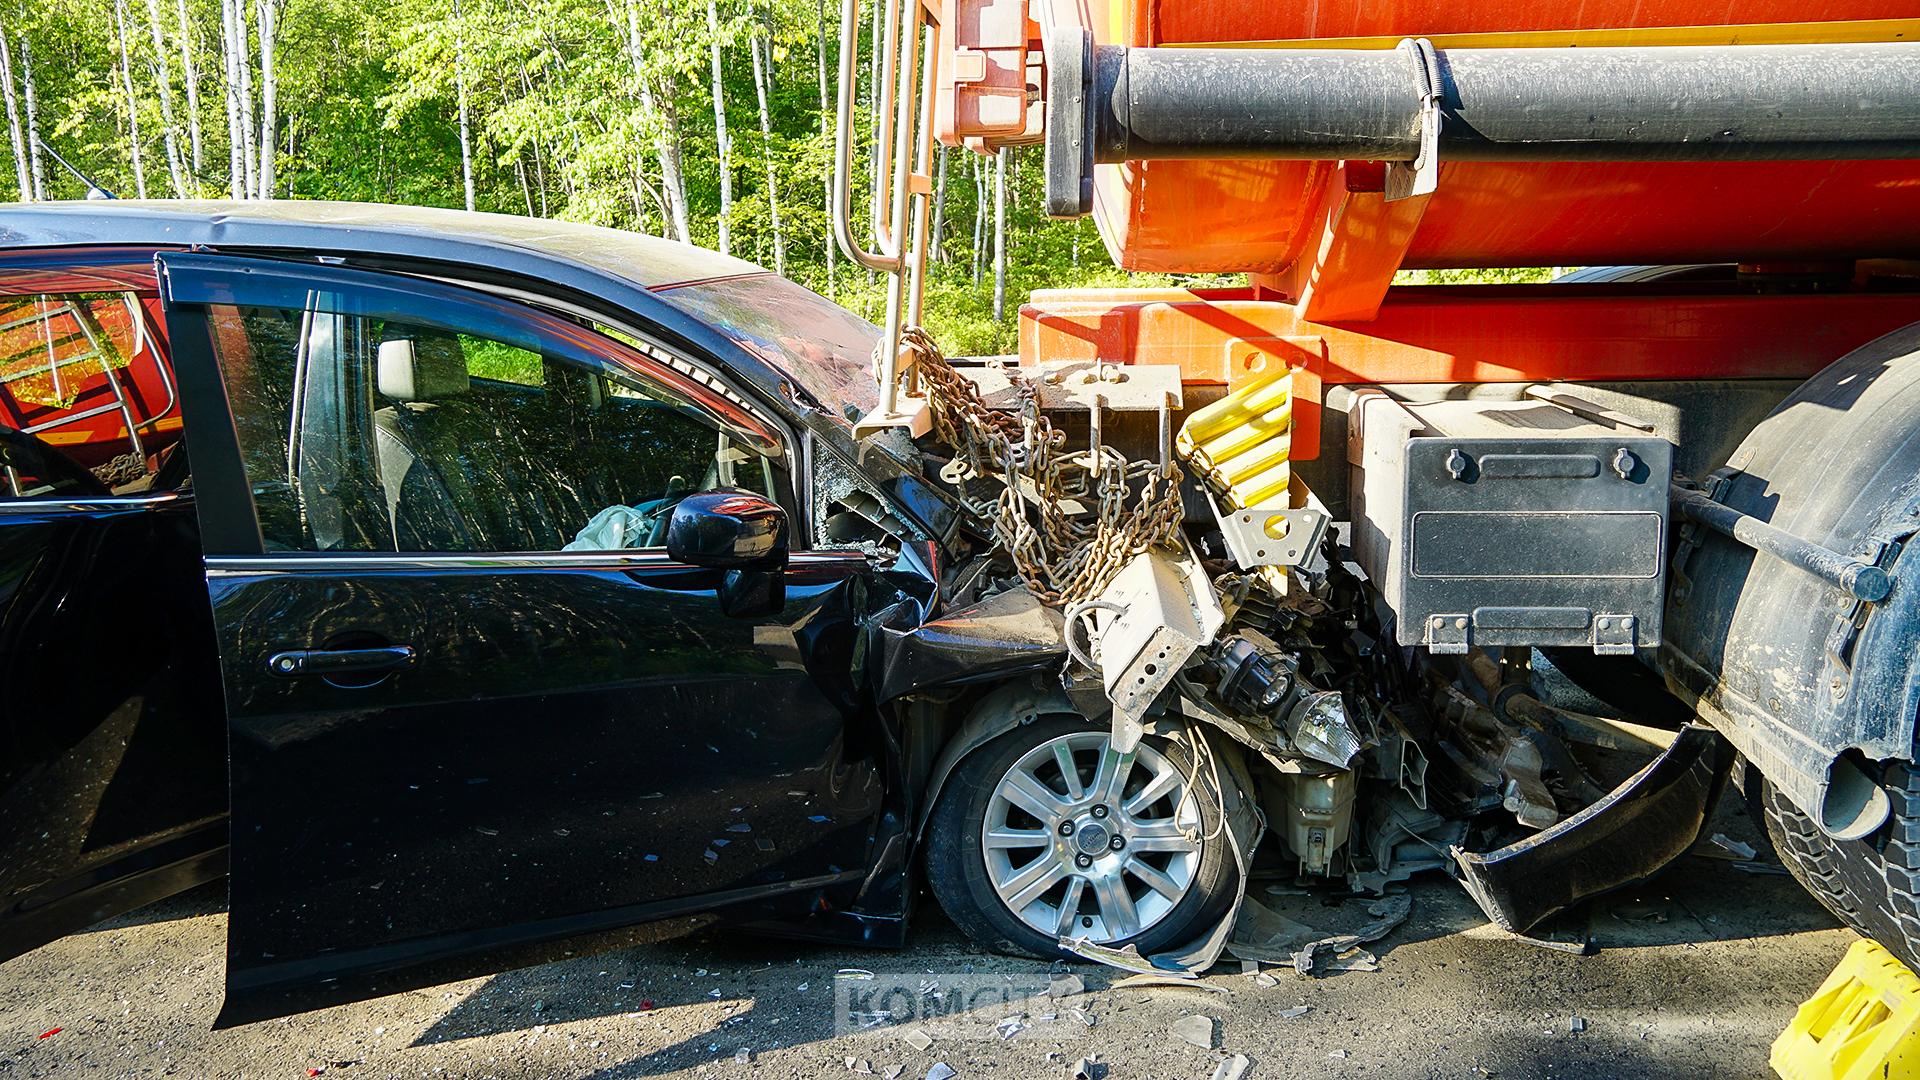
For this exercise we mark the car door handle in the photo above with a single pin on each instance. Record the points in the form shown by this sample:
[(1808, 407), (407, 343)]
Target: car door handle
[(297, 662)]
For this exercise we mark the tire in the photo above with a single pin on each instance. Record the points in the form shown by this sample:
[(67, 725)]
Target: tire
[(961, 866), (1872, 884)]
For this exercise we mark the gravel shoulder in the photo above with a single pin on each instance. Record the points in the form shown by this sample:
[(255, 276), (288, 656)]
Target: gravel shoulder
[(1697, 973)]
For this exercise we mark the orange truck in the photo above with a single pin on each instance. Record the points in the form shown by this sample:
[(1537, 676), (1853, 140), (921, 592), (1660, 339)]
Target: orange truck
[(1665, 503)]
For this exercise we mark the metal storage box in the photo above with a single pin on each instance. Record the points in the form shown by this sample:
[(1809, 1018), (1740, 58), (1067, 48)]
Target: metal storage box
[(1510, 522)]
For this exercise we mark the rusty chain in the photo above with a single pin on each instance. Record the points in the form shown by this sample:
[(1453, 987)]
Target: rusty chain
[(1061, 555)]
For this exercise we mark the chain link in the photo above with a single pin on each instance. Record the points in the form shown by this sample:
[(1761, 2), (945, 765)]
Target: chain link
[(1062, 556)]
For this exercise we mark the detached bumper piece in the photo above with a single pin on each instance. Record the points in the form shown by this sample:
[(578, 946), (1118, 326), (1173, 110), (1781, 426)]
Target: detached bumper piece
[(1641, 826), (1861, 1023)]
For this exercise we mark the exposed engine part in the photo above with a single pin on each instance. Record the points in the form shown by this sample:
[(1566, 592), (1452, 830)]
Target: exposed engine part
[(1504, 759), (1319, 817), (1148, 622)]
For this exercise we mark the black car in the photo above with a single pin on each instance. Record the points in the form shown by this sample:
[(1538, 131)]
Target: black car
[(525, 586)]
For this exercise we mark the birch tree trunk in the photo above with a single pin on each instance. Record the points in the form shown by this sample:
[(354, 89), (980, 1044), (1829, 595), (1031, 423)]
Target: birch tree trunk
[(762, 76), (269, 87), (666, 136), (939, 247), (460, 92), (826, 140), (20, 171), (132, 103), (242, 59), (980, 170), (1000, 234), (38, 166), (236, 141), (722, 140), (163, 80), (191, 77)]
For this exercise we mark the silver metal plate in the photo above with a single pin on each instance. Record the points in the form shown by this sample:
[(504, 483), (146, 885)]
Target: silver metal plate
[(1077, 384)]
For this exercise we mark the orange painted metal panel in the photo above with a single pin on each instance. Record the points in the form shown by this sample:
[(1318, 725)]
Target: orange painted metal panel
[(1260, 216), (1426, 334)]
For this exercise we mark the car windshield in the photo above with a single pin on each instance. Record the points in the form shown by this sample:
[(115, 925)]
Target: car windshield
[(825, 348)]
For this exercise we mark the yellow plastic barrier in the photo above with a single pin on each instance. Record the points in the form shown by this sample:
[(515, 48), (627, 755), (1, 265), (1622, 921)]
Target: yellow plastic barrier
[(1240, 443), (1861, 1023)]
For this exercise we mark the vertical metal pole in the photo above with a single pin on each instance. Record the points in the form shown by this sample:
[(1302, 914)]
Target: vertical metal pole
[(883, 127), (923, 168), (902, 189)]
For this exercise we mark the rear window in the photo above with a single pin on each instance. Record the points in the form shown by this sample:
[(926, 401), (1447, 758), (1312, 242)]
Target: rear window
[(87, 403), (827, 349)]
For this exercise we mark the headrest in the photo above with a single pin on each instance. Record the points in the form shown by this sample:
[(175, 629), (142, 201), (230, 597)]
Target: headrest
[(427, 367)]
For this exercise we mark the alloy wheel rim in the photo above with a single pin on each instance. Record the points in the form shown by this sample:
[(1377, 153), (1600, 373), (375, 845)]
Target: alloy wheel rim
[(1081, 841)]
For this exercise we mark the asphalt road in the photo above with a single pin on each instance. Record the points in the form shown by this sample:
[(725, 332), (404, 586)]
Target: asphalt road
[(1696, 974)]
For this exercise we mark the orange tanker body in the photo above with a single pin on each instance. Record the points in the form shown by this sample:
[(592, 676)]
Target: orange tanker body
[(1260, 216)]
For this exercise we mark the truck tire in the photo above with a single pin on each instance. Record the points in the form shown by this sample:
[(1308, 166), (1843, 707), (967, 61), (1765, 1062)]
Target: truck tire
[(1872, 884), (1167, 849)]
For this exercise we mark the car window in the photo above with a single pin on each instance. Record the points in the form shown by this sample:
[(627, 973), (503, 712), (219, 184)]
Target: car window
[(87, 400), (824, 347), (368, 428)]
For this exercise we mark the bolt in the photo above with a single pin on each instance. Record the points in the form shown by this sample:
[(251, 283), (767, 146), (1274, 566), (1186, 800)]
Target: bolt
[(1117, 842), (1083, 861), (1624, 463), (1457, 464), (1100, 811), (1066, 828)]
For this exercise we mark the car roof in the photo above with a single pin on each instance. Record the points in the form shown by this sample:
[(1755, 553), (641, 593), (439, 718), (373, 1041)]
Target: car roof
[(363, 228)]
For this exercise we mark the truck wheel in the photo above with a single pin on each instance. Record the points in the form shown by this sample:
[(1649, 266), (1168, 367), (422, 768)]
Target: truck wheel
[(1046, 832), (1872, 884)]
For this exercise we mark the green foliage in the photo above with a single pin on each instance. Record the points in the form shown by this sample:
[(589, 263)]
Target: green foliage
[(368, 94), (569, 103)]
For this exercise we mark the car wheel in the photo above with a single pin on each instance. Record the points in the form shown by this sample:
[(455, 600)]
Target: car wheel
[(1046, 832)]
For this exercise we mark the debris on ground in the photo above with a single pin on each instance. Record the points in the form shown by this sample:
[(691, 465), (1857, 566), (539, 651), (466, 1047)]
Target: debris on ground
[(1010, 1026), (1086, 1069), (1294, 1013), (1178, 982), (1266, 936), (1739, 849), (1232, 1068), (941, 1071), (1576, 1024), (1760, 868), (853, 973), (1061, 986), (49, 1033), (917, 1039), (1352, 960), (860, 1065), (743, 1056), (1640, 911), (1196, 1029), (1338, 1055)]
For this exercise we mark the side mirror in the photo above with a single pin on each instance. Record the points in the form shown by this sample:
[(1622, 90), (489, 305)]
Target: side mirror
[(728, 529)]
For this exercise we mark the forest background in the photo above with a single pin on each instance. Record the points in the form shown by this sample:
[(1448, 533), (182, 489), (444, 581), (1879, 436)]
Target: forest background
[(708, 121)]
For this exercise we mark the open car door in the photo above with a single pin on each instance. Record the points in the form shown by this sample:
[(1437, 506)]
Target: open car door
[(466, 728)]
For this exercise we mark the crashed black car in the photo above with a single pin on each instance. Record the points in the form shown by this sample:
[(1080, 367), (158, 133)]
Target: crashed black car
[(468, 588)]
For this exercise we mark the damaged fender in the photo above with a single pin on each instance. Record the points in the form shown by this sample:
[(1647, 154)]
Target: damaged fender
[(1642, 825), (999, 712)]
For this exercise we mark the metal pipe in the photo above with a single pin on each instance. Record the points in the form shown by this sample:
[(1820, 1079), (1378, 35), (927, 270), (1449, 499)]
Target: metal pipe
[(1671, 103), (923, 168), (1860, 580), (902, 193), (842, 216), (882, 229)]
